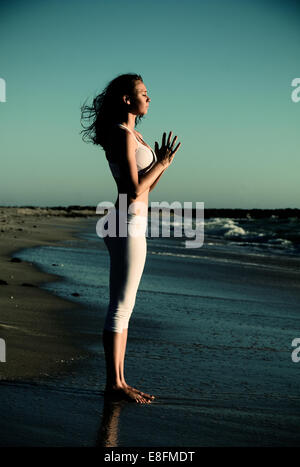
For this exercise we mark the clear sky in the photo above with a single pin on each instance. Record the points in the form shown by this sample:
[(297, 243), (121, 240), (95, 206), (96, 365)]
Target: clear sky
[(218, 72)]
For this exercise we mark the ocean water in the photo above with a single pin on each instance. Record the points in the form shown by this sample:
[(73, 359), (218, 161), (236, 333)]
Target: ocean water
[(271, 234), (211, 336)]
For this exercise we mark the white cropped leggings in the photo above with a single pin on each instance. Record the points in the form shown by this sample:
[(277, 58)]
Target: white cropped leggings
[(127, 261)]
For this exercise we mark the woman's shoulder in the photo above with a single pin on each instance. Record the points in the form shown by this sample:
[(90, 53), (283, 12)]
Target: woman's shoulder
[(131, 133), (121, 130), (118, 139), (117, 133)]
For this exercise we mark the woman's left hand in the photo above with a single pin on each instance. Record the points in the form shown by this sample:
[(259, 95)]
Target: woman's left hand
[(166, 152)]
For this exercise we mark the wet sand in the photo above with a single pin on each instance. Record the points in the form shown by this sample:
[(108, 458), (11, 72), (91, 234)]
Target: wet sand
[(34, 323)]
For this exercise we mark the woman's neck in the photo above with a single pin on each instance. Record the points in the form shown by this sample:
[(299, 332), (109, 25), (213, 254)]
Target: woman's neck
[(130, 121)]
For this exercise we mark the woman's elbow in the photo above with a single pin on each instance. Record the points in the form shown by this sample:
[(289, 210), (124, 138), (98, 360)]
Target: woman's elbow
[(134, 192), (135, 189)]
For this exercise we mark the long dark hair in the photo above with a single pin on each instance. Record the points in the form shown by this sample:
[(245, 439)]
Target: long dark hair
[(108, 108)]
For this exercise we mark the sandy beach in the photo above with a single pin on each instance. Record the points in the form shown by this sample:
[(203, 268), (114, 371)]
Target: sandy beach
[(35, 342), (210, 336)]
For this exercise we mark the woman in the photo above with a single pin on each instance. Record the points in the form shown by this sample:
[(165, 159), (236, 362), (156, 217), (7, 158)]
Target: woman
[(136, 169)]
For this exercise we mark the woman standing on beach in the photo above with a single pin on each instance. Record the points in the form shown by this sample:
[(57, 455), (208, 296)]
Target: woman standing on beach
[(136, 169)]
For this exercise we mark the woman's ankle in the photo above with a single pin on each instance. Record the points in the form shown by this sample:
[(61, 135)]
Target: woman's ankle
[(113, 385)]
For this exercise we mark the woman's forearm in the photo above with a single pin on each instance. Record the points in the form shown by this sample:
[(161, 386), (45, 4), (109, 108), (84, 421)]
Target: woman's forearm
[(148, 179), (154, 184)]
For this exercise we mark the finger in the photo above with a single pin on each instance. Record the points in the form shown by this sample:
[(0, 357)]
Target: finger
[(164, 139), (173, 142), (169, 138), (176, 149)]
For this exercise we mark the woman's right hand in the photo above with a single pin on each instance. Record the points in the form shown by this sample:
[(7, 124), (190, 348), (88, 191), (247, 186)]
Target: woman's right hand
[(166, 153)]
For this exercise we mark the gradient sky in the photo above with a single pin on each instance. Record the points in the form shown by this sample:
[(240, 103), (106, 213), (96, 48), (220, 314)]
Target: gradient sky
[(219, 75)]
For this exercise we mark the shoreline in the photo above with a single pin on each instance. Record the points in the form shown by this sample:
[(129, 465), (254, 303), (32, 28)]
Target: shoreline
[(236, 324), (35, 324)]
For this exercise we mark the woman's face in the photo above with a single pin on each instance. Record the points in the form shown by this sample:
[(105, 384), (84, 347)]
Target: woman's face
[(140, 101)]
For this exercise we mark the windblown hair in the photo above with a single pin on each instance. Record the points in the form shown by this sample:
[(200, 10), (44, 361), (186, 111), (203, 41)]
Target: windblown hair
[(107, 109)]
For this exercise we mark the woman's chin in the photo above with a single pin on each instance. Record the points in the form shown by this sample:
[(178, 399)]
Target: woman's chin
[(142, 113)]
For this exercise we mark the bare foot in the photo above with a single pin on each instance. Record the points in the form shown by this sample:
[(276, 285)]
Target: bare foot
[(144, 394), (125, 393)]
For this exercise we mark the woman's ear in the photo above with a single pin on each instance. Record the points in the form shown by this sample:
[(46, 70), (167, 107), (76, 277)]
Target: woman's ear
[(126, 99)]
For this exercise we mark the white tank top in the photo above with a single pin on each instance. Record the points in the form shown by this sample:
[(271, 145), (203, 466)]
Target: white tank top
[(144, 155)]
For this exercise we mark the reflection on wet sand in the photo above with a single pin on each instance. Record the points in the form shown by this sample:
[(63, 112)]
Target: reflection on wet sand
[(108, 431)]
